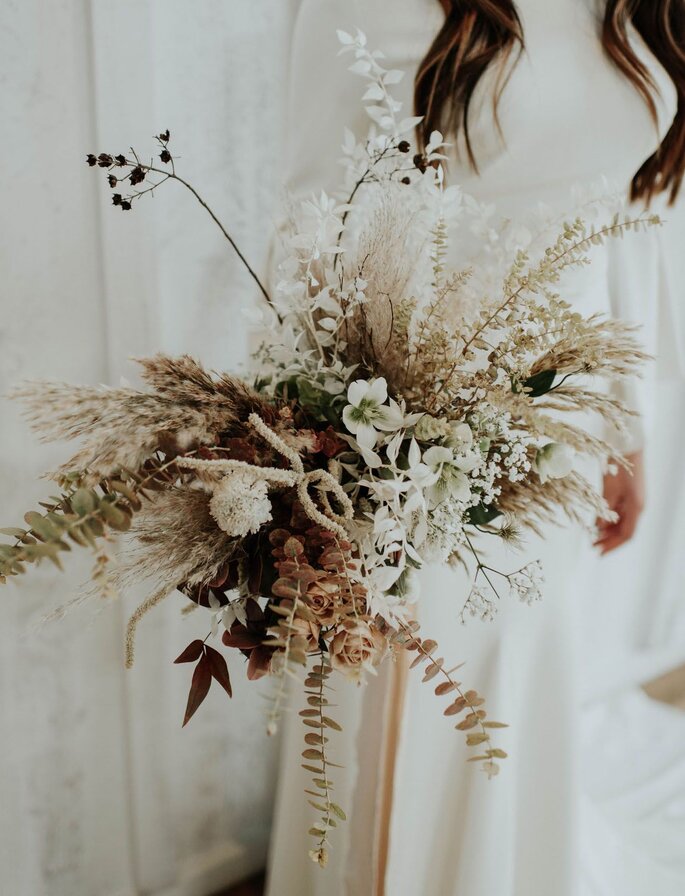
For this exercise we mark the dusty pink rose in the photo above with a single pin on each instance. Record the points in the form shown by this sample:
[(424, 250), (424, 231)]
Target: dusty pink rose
[(323, 599), (358, 645)]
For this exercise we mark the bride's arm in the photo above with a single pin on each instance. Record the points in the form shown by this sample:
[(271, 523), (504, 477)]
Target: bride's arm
[(634, 288)]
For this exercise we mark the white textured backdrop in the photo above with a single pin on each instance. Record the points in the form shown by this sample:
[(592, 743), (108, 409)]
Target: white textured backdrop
[(100, 791)]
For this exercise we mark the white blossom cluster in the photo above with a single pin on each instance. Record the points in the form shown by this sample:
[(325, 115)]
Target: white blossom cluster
[(417, 480)]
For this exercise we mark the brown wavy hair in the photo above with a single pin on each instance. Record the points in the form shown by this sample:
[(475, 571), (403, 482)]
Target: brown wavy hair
[(479, 33)]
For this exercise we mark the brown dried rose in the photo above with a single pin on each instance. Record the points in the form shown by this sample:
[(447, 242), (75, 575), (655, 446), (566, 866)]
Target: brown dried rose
[(357, 646), (323, 599)]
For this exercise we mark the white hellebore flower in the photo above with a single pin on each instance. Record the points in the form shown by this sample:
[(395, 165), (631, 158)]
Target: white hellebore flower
[(452, 481), (240, 504), (553, 461), (367, 412)]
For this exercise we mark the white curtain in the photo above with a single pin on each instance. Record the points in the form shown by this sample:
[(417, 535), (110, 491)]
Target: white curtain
[(100, 790)]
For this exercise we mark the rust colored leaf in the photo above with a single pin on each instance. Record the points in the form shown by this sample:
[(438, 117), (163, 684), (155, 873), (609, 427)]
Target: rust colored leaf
[(312, 754), (469, 722), (292, 548), (219, 669), (192, 652), (199, 688), (444, 688), (241, 638), (258, 665)]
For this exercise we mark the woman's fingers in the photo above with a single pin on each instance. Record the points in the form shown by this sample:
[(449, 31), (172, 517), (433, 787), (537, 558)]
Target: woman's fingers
[(624, 494)]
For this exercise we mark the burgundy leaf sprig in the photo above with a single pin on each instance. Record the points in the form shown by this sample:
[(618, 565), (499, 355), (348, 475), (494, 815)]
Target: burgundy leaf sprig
[(210, 665)]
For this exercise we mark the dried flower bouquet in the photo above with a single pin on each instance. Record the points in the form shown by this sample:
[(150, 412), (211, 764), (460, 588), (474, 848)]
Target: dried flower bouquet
[(404, 413)]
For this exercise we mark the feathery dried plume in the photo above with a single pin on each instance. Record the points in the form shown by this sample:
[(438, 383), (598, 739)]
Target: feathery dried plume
[(177, 540), (123, 427)]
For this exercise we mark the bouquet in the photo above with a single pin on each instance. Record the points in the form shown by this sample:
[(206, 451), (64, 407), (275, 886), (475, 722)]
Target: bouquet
[(400, 413)]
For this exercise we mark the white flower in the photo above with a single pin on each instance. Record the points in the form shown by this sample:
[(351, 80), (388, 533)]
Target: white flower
[(553, 461), (460, 436), (367, 412), (526, 584), (452, 481), (240, 504)]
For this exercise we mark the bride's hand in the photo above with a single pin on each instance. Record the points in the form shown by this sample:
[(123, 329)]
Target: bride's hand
[(625, 494)]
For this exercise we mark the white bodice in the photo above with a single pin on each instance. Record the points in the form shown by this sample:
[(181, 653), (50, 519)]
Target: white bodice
[(568, 117), (569, 120)]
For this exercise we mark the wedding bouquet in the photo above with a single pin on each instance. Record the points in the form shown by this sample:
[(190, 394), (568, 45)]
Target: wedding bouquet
[(401, 413)]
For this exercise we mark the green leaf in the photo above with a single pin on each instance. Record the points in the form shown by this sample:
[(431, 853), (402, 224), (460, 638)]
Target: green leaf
[(539, 384), (482, 514), (338, 811), (84, 501), (116, 517), (13, 532), (42, 526)]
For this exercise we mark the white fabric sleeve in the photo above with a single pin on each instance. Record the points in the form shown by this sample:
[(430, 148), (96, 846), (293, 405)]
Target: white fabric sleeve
[(633, 291), (640, 290)]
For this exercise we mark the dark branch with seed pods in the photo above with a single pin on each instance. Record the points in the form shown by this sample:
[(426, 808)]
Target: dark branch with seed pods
[(132, 171)]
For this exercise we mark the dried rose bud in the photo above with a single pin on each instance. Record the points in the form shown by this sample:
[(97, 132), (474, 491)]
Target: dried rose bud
[(112, 181), (165, 155), (404, 146), (126, 206), (105, 160), (91, 159), (420, 162), (137, 176), (406, 180), (165, 136), (120, 160), (117, 199)]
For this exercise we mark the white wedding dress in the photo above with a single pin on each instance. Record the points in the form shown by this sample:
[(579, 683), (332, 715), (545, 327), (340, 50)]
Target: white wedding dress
[(422, 820)]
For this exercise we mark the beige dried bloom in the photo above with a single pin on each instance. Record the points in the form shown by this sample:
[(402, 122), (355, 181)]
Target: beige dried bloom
[(357, 646), (240, 504)]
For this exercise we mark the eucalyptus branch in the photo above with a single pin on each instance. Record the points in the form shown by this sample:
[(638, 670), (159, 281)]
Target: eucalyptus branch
[(466, 700)]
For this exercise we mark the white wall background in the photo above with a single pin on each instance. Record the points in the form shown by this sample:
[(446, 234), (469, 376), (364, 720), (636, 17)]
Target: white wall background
[(100, 791)]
